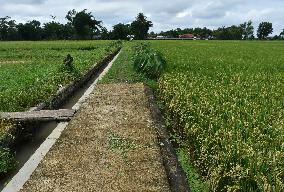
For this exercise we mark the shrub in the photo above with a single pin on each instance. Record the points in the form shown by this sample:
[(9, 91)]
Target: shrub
[(148, 61)]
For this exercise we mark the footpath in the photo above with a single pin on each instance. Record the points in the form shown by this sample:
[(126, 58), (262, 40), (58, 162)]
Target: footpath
[(110, 145)]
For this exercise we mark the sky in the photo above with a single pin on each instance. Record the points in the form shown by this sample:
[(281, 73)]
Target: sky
[(164, 15)]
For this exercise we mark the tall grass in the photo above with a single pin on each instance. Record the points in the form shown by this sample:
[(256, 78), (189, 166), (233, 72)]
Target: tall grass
[(148, 61)]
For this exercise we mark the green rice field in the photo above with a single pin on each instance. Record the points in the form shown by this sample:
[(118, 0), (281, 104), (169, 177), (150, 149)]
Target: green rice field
[(30, 72)]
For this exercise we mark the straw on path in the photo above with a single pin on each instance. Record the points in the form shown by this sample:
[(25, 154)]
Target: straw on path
[(110, 145)]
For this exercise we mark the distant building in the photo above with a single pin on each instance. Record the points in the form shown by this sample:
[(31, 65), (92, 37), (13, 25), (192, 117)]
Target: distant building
[(187, 36), (160, 37)]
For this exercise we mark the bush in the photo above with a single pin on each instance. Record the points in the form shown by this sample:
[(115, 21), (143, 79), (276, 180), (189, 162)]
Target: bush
[(148, 61)]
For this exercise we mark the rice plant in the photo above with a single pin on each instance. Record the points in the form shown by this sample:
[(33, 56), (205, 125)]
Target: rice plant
[(226, 101)]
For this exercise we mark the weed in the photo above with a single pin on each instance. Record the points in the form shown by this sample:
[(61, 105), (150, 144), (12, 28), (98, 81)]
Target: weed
[(120, 143)]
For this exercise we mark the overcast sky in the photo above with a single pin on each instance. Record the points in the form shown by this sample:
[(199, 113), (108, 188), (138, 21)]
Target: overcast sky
[(165, 15)]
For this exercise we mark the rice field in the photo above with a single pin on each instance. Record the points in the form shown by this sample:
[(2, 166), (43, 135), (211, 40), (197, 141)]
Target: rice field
[(226, 102), (223, 101), (30, 72)]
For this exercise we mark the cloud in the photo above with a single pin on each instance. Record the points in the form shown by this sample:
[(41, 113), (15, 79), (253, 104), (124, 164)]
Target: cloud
[(165, 15), (23, 2)]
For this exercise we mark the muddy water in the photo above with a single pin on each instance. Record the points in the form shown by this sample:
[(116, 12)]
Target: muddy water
[(26, 149)]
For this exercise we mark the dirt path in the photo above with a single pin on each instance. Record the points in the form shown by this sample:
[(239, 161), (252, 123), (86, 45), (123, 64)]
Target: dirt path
[(110, 145)]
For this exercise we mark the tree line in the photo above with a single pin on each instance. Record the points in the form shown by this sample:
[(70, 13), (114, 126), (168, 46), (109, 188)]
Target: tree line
[(83, 25), (235, 32), (80, 25)]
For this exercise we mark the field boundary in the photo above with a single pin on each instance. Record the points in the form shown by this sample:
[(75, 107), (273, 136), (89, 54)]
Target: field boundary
[(176, 176)]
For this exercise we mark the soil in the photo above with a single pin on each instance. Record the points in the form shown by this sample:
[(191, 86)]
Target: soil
[(110, 145)]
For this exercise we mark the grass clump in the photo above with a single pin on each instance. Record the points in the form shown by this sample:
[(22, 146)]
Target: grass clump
[(67, 63), (121, 145), (148, 61), (193, 177)]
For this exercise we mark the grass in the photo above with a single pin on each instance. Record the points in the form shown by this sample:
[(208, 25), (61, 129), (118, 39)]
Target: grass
[(30, 71), (225, 100), (193, 177), (123, 145)]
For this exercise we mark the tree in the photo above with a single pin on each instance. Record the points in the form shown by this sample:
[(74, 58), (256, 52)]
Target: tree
[(248, 30), (202, 33), (12, 30), (8, 30), (68, 31), (84, 23), (228, 33), (141, 26), (120, 31), (4, 28), (264, 29), (282, 34), (53, 30), (152, 34), (30, 30), (105, 34)]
